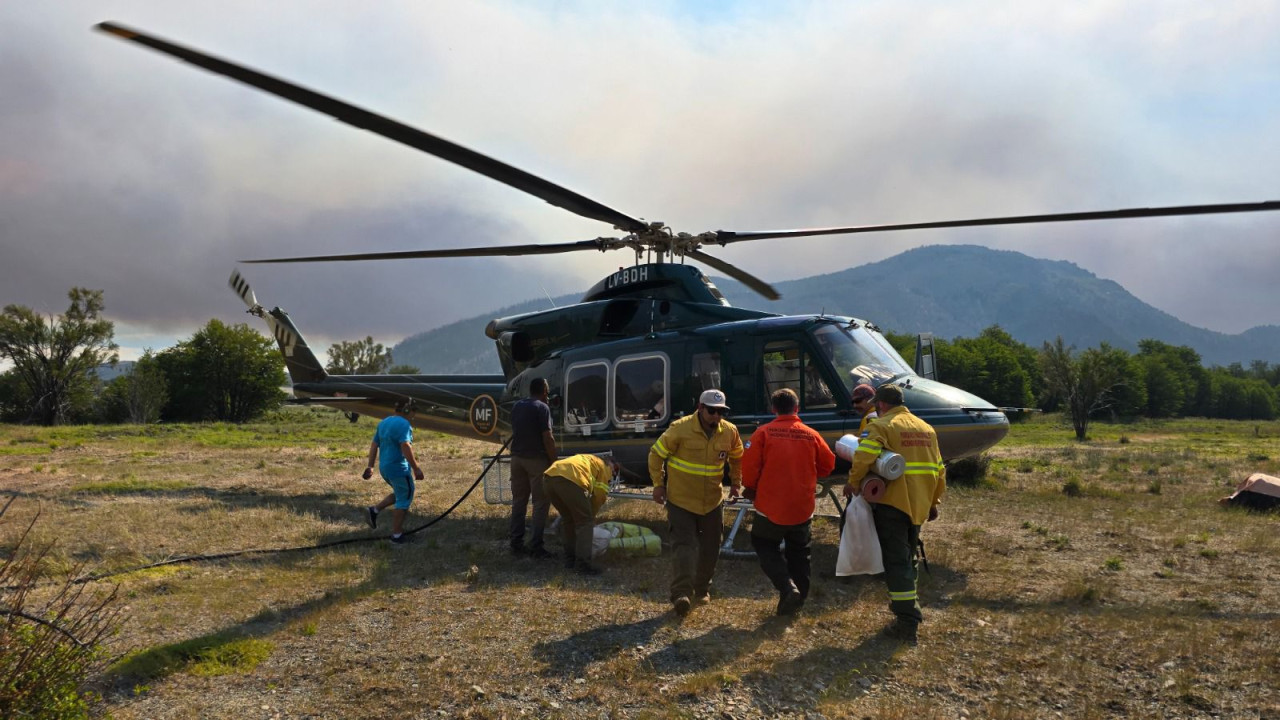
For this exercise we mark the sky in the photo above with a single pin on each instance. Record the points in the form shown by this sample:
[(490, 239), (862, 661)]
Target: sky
[(127, 171)]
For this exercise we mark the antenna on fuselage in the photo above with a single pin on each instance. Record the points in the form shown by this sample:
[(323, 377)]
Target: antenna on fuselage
[(544, 292)]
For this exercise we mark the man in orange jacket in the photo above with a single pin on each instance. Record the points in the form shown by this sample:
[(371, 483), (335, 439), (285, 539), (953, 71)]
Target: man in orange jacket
[(782, 464)]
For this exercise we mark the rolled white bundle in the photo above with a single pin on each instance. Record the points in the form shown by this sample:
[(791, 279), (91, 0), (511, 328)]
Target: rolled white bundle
[(890, 465), (846, 446)]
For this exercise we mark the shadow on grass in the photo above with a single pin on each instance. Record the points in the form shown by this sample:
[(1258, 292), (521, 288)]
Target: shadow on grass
[(235, 649), (571, 656), (1137, 612), (715, 648), (329, 506), (837, 670)]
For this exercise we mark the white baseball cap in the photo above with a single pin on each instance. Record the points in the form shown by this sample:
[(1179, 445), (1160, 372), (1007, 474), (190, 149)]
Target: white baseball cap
[(713, 398)]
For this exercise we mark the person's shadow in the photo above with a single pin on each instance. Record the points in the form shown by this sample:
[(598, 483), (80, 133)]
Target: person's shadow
[(718, 646), (570, 656)]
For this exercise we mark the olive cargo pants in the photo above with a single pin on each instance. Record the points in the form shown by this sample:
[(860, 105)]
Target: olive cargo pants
[(898, 540), (577, 521), (526, 480), (695, 541)]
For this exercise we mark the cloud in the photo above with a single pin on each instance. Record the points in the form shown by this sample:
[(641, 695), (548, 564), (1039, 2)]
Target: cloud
[(124, 170)]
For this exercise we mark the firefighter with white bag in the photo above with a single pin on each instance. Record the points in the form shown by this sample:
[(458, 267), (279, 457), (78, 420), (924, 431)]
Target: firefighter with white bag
[(905, 504)]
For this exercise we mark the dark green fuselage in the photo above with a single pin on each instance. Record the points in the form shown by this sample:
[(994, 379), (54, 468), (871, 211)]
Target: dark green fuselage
[(637, 352)]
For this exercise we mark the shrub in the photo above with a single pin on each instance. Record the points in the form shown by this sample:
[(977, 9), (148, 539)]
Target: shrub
[(968, 472), (48, 648)]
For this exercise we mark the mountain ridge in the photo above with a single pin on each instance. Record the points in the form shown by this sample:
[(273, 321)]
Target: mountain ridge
[(949, 290)]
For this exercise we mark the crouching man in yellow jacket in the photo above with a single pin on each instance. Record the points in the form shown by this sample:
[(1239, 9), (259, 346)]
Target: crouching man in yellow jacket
[(577, 486), (907, 503), (686, 466)]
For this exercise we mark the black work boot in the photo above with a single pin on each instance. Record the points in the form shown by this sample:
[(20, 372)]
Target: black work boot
[(790, 601), (903, 631)]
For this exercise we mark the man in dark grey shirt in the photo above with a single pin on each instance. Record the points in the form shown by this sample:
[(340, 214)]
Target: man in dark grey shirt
[(533, 449)]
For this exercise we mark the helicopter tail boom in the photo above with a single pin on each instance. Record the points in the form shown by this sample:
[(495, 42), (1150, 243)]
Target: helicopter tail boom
[(303, 365)]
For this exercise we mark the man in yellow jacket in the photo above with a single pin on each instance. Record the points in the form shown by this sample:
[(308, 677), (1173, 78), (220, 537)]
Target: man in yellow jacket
[(577, 486), (686, 466), (907, 503)]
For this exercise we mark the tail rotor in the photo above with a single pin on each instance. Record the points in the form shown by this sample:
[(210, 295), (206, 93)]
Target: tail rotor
[(241, 287), (302, 363)]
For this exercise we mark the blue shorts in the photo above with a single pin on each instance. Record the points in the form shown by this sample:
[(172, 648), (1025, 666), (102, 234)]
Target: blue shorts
[(403, 488)]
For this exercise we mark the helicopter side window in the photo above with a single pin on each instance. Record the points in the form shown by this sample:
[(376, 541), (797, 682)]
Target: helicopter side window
[(586, 396), (640, 386)]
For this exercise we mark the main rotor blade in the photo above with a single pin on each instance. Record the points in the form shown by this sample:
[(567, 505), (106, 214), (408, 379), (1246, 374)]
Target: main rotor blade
[(741, 276), (600, 244), (724, 237), (390, 129)]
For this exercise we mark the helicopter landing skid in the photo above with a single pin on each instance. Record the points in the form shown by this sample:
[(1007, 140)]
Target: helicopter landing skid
[(735, 508), (738, 506)]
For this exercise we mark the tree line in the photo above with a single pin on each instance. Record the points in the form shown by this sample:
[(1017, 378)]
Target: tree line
[(1104, 382), (223, 372), (233, 373)]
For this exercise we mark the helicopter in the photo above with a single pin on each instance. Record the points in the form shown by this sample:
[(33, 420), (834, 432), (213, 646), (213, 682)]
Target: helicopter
[(635, 353)]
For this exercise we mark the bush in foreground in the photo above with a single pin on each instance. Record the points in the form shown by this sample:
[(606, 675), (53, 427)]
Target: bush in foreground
[(49, 647)]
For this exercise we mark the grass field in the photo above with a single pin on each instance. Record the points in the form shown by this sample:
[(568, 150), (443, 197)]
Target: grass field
[(1089, 580)]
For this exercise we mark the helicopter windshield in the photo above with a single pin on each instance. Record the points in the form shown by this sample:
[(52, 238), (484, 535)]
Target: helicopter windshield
[(859, 354)]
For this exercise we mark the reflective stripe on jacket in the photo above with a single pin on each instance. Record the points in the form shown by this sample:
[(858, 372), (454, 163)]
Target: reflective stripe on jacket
[(587, 472), (695, 463), (925, 479), (783, 462)]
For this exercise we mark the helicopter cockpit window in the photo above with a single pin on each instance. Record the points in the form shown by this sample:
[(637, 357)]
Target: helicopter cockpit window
[(640, 386), (586, 396), (859, 355), (816, 393)]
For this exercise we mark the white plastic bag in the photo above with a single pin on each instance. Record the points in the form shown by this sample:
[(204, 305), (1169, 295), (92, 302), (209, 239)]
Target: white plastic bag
[(600, 537), (859, 545)]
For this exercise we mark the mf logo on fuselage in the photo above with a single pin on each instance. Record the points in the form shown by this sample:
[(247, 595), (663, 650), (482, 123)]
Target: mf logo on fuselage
[(627, 276), (484, 415)]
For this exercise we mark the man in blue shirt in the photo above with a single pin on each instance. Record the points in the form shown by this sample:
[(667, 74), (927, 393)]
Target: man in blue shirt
[(394, 440), (533, 449)]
